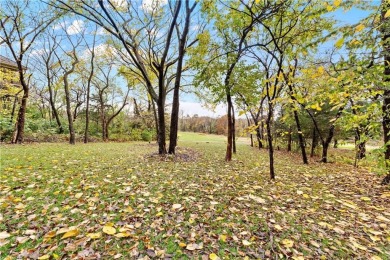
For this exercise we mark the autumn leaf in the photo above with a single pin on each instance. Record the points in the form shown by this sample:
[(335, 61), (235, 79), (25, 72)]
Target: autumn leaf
[(71, 233), (44, 257), (359, 28), (109, 230), (176, 206), (337, 2), (94, 235), (287, 243), (4, 234), (213, 256), (246, 242)]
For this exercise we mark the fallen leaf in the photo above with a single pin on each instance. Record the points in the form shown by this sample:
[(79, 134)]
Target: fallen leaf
[(71, 233), (109, 230), (213, 256), (44, 257), (176, 206), (4, 234), (246, 242), (94, 235), (287, 243)]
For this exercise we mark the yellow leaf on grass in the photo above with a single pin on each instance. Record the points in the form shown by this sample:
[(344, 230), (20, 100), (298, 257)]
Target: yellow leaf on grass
[(159, 214), (375, 257), (181, 244), (278, 227), (109, 230), (94, 235), (213, 256), (356, 245), (51, 234), (314, 243), (287, 243), (222, 238), (365, 198), (78, 195), (123, 234), (71, 233), (44, 257)]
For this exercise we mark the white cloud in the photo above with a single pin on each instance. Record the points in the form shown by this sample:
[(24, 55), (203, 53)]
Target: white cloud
[(150, 5), (76, 27), (37, 52), (192, 108)]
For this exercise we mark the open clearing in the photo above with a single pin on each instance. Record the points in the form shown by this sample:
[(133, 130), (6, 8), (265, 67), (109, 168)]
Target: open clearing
[(110, 200)]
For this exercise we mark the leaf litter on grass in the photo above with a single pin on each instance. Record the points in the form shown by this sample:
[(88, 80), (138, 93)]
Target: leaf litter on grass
[(112, 201)]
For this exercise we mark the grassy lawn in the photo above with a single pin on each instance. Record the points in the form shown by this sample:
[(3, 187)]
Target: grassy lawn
[(113, 201)]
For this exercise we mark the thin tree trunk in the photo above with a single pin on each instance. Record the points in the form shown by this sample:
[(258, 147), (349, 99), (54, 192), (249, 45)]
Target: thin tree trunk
[(335, 143), (270, 145), (234, 130), (72, 137), (313, 142), (229, 145), (289, 139), (325, 146), (301, 138), (155, 120)]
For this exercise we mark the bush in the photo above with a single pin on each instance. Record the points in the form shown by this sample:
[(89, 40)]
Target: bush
[(146, 135)]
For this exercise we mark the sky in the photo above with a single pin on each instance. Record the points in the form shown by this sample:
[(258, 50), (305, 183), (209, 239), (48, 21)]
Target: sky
[(190, 104)]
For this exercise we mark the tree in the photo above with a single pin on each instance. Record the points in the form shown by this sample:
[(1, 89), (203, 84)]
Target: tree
[(20, 26), (145, 37)]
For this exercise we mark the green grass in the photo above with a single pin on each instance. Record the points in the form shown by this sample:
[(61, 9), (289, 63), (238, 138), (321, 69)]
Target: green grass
[(45, 187)]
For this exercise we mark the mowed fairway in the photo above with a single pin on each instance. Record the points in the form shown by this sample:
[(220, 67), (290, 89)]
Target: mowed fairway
[(114, 201)]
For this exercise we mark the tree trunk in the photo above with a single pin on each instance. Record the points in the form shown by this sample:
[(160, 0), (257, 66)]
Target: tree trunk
[(155, 119), (234, 130), (325, 146), (289, 141), (229, 145), (52, 103), (301, 139), (162, 149), (72, 137), (314, 142), (335, 143), (386, 94), (86, 130), (270, 145), (19, 131)]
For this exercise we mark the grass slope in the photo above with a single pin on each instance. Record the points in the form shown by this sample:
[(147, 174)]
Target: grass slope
[(110, 201)]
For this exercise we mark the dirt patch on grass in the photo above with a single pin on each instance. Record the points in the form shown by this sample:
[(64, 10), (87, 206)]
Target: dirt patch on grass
[(182, 155)]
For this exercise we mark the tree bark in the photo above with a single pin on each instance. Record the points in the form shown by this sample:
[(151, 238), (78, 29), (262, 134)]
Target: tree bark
[(72, 136), (386, 94), (162, 149), (289, 141), (269, 138), (234, 130), (314, 142), (229, 145)]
